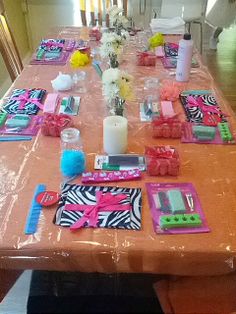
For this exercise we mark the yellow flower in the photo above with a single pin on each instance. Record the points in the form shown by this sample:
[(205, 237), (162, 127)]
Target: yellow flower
[(156, 40), (79, 59), (125, 86)]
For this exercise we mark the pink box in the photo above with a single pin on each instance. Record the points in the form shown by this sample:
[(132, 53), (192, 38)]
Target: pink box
[(162, 160), (146, 59), (166, 127)]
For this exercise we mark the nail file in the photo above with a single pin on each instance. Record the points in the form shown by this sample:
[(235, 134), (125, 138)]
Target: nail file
[(34, 212), (15, 138)]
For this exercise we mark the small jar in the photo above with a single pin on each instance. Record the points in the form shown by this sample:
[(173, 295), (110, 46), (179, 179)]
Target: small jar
[(70, 139), (72, 158)]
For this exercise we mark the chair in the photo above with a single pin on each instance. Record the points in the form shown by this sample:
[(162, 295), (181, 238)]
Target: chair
[(8, 47), (192, 12)]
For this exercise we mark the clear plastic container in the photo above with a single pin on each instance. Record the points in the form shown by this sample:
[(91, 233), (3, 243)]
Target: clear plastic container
[(71, 140), (152, 89)]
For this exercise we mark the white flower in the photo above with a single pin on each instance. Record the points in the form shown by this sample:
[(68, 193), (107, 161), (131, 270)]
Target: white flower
[(110, 79), (111, 75), (111, 44), (114, 11)]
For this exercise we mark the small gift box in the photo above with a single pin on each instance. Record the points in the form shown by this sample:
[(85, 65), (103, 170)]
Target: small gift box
[(146, 58), (96, 206), (25, 101), (95, 34), (167, 127), (162, 160), (53, 124)]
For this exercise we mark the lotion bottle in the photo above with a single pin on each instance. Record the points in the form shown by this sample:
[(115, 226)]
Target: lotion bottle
[(184, 61)]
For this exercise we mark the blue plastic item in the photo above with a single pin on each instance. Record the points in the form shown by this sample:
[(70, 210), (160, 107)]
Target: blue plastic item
[(34, 212)]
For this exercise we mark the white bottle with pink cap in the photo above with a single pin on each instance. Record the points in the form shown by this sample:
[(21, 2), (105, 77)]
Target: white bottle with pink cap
[(185, 54)]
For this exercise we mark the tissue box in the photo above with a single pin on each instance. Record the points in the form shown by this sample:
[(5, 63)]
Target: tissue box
[(166, 127), (162, 160), (146, 59)]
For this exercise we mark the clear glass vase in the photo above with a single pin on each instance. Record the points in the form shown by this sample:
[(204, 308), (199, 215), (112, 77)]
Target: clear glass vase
[(116, 106)]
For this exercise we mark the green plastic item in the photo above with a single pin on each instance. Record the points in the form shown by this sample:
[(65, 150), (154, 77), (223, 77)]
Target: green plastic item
[(180, 221), (3, 117), (225, 131), (110, 167), (202, 132), (196, 92), (176, 201), (40, 54)]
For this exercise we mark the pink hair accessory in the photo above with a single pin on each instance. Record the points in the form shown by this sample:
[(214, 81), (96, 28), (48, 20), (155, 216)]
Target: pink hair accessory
[(53, 124), (170, 90)]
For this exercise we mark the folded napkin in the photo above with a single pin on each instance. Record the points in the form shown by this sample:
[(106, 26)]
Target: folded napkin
[(174, 25), (78, 207), (25, 101)]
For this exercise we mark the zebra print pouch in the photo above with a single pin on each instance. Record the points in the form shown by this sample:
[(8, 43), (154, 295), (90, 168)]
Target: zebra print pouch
[(86, 195), (30, 107), (196, 115), (53, 45)]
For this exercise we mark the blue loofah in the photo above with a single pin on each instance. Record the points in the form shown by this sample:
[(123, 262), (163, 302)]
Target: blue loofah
[(72, 163)]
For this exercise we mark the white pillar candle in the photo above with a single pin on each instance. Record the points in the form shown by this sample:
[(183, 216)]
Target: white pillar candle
[(115, 131)]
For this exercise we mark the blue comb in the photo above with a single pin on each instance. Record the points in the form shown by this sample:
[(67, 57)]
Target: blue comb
[(34, 212)]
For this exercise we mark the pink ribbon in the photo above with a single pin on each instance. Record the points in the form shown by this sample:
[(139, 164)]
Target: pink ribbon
[(105, 202), (197, 102), (24, 98), (52, 44)]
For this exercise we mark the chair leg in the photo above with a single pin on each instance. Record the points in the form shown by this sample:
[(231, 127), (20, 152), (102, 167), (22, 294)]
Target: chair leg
[(201, 34)]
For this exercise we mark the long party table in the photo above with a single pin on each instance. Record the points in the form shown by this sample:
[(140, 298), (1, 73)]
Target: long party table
[(23, 165)]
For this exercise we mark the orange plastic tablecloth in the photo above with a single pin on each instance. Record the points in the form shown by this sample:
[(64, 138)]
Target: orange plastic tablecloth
[(23, 165)]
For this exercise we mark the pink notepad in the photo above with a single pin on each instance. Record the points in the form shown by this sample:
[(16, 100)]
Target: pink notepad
[(50, 103), (167, 109)]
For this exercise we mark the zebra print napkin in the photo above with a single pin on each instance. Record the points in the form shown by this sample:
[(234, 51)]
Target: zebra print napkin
[(86, 195), (195, 114), (12, 105)]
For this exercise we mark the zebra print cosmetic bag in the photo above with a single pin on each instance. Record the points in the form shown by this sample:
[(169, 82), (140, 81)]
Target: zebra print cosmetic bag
[(208, 108), (25, 101), (53, 45), (86, 195)]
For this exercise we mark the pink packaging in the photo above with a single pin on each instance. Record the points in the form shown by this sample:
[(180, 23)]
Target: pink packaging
[(111, 176), (53, 124), (167, 108), (50, 103), (186, 189), (146, 58), (95, 34), (162, 160), (167, 127)]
